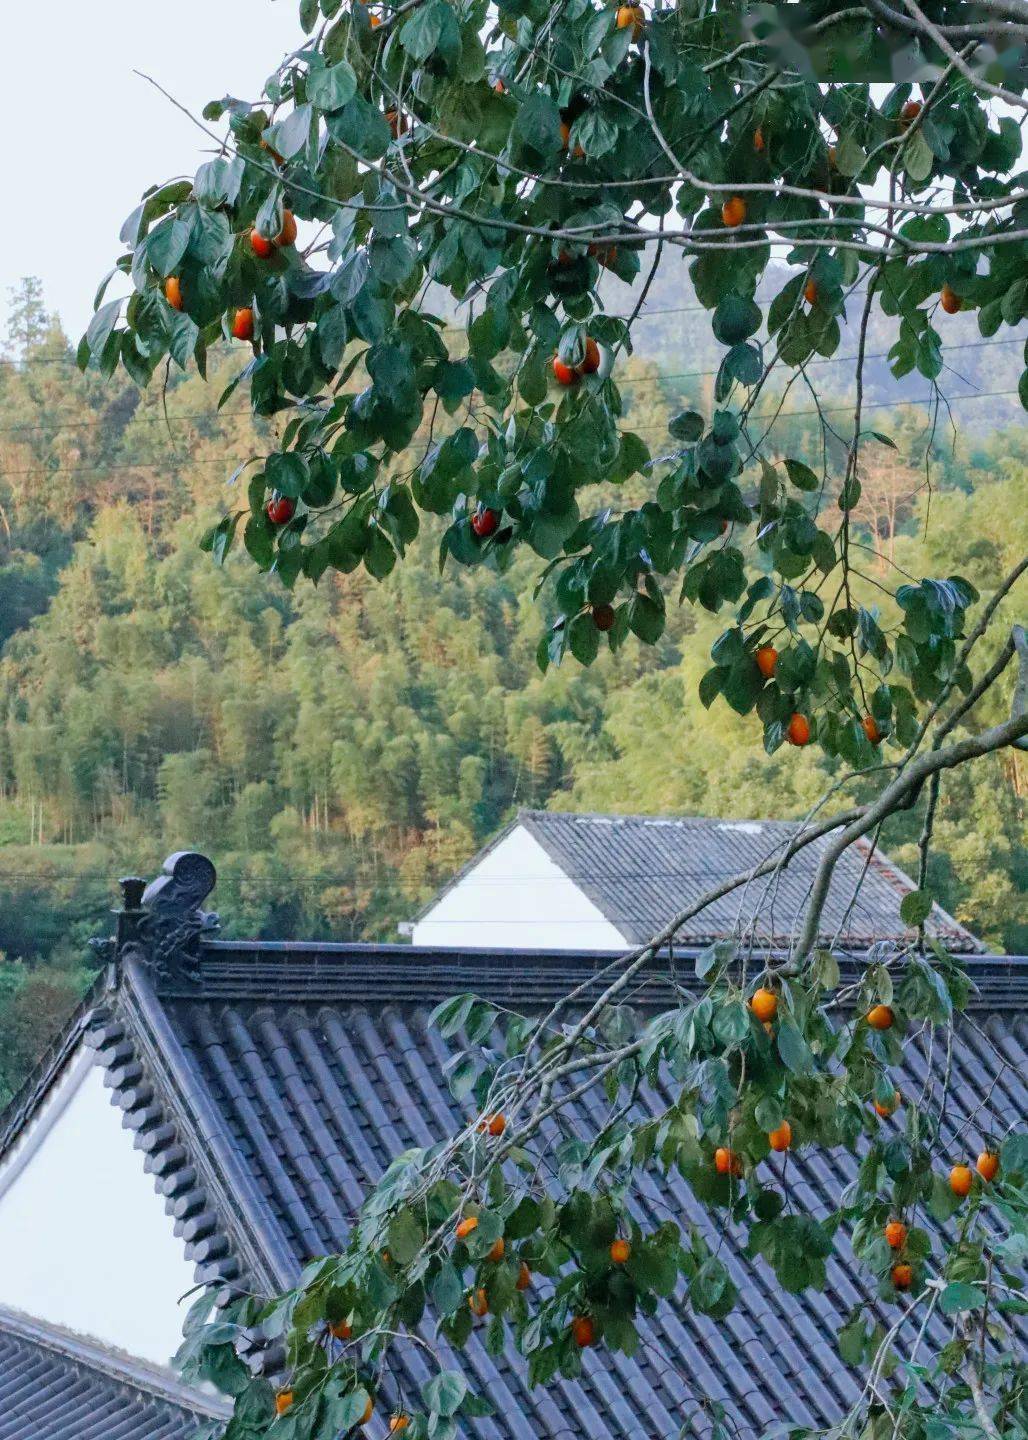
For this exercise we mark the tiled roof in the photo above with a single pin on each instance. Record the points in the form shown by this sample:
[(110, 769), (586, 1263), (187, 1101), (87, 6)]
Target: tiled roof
[(640, 870), (55, 1386), (303, 1069)]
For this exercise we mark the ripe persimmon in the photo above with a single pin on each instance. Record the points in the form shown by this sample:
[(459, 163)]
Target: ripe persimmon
[(960, 1179), (260, 244), (369, 1410), (910, 111), (871, 730), (287, 235), (767, 660), (950, 300), (374, 21), (633, 15), (881, 1017), (484, 523), (499, 87), (591, 359), (726, 1162), (564, 374), (733, 211), (283, 1401), (603, 617), (764, 1003), (565, 133), (902, 1276), (478, 1302), (524, 1277), (781, 1138), (397, 123), (242, 324), (810, 292), (496, 1250), (173, 292), (758, 140), (584, 1331), (884, 1111), (466, 1226), (341, 1330), (833, 157), (496, 1124), (280, 509), (798, 730), (987, 1165), (398, 1423), (895, 1234), (620, 1251)]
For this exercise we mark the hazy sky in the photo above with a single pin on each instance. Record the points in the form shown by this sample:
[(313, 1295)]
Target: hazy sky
[(85, 136)]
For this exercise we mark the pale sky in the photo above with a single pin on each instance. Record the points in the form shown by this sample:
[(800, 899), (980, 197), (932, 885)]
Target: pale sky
[(85, 136)]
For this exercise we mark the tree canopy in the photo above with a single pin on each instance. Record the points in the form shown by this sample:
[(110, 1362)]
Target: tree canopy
[(475, 184)]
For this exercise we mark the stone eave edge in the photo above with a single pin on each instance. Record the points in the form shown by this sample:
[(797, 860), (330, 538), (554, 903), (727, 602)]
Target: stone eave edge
[(204, 1188)]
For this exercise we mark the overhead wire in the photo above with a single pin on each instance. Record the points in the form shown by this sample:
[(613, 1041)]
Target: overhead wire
[(647, 383)]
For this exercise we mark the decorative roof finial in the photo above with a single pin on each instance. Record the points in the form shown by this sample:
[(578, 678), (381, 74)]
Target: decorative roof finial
[(162, 923)]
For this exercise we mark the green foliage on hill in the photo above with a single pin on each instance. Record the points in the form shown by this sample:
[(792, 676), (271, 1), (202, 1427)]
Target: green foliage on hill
[(340, 753)]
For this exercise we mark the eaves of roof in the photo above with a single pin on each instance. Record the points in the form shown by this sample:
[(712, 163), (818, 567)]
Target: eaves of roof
[(205, 1187), (297, 971), (117, 1365)]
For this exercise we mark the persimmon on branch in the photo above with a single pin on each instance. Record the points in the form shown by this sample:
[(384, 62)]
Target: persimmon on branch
[(477, 1225), (516, 157), (435, 236)]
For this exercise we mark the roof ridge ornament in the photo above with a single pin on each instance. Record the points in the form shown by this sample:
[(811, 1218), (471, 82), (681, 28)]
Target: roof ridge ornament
[(162, 924)]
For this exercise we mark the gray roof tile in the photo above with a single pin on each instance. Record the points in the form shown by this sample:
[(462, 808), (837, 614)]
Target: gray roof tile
[(640, 870), (56, 1386), (319, 1094)]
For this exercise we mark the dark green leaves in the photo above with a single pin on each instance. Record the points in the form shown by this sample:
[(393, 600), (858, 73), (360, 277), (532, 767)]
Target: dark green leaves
[(537, 125), (432, 29), (332, 87), (444, 1393), (915, 907)]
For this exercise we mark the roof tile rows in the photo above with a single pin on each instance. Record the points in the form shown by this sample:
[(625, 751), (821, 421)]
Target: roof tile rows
[(640, 870), (318, 1095), (55, 1387)]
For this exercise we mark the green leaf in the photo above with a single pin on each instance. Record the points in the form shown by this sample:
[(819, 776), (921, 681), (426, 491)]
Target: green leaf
[(537, 124), (793, 1048), (332, 87), (290, 135), (432, 28), (102, 325), (735, 319), (959, 1296), (444, 1393), (918, 158), (687, 425), (915, 907), (802, 476), (405, 1237)]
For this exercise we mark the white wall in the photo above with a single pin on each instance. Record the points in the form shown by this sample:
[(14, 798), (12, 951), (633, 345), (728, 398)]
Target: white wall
[(84, 1240), (517, 897)]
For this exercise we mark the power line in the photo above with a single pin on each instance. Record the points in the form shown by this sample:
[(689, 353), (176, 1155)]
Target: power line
[(924, 401), (646, 314), (628, 384)]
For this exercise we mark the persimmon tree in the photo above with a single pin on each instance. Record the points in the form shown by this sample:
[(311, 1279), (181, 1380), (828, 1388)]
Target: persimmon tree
[(437, 230)]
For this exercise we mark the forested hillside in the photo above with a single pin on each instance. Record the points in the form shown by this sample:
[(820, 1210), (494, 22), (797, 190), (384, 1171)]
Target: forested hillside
[(339, 760)]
